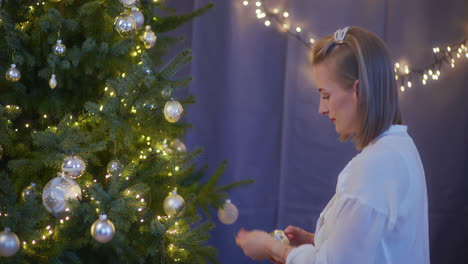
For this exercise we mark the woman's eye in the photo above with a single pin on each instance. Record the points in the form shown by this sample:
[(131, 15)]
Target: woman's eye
[(325, 97)]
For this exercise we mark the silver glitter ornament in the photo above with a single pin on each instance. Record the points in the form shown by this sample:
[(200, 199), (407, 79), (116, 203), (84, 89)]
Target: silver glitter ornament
[(52, 82), (125, 24), (13, 74), (73, 167), (173, 111), (31, 192), (114, 167), (129, 3), (228, 214), (178, 146), (103, 230), (58, 191), (59, 49), (174, 203), (280, 236), (9, 243), (166, 93), (138, 16), (148, 38)]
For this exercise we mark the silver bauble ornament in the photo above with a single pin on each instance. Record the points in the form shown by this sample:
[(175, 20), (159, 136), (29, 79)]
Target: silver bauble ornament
[(103, 229), (58, 191), (280, 236), (114, 167), (173, 111), (73, 167), (148, 38), (125, 24), (1, 152), (52, 82), (9, 243), (30, 193), (228, 214), (166, 93), (13, 74), (129, 3), (59, 49), (174, 203), (138, 16), (178, 146)]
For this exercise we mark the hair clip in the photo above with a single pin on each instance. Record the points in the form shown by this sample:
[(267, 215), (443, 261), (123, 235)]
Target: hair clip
[(340, 35)]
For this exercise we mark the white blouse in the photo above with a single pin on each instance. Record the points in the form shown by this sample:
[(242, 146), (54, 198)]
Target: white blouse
[(379, 211)]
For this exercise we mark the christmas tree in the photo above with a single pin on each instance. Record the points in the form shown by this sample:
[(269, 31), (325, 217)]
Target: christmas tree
[(92, 166)]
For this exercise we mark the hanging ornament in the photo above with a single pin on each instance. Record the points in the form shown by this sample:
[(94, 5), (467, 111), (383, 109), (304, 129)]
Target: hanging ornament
[(52, 82), (178, 146), (103, 229), (1, 152), (125, 24), (73, 167), (138, 16), (280, 236), (59, 49), (166, 93), (129, 3), (30, 193), (114, 167), (150, 106), (148, 38), (9, 243), (174, 203), (228, 214), (13, 74), (173, 111), (58, 191)]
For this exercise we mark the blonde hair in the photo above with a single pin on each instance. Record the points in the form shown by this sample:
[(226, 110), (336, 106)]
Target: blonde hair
[(363, 56)]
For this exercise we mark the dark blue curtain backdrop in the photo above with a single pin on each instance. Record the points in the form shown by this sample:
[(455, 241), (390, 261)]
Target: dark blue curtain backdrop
[(258, 109)]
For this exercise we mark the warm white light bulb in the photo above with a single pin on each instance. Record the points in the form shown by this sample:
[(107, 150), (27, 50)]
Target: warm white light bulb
[(312, 41), (298, 29), (245, 3), (267, 23), (409, 84), (286, 14), (397, 65), (275, 10), (402, 88)]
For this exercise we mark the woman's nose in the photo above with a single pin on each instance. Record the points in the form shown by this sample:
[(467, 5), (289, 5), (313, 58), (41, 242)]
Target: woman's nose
[(323, 110)]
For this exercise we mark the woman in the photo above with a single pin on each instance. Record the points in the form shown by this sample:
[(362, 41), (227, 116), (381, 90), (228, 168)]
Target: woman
[(379, 211)]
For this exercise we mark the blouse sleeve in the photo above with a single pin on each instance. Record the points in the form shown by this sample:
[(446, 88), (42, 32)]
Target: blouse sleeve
[(352, 236)]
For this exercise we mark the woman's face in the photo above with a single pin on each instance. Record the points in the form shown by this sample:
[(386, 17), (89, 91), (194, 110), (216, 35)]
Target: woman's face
[(337, 102)]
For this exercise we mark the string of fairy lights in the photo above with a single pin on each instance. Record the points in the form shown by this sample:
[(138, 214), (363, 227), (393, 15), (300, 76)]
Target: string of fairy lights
[(405, 75)]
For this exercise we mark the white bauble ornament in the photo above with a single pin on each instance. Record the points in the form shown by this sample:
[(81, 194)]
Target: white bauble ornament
[(73, 167), (59, 49), (52, 82), (129, 3), (9, 243), (138, 16), (178, 146), (148, 38), (13, 74), (280, 236), (228, 214), (58, 191), (31, 192), (114, 167), (125, 24), (103, 229), (174, 203), (173, 111)]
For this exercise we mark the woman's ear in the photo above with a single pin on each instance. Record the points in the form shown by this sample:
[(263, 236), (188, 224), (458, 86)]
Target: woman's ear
[(356, 88)]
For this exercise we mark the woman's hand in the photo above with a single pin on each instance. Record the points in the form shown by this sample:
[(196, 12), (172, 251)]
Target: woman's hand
[(298, 236), (256, 244)]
